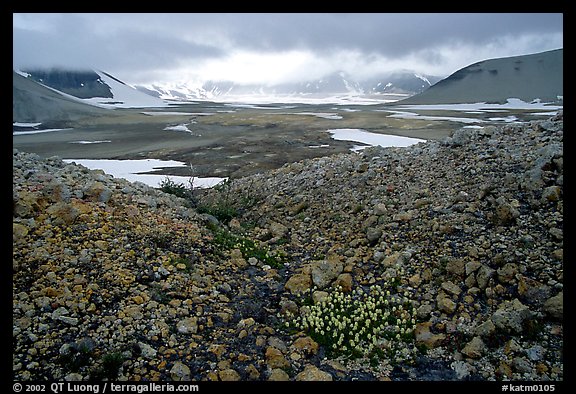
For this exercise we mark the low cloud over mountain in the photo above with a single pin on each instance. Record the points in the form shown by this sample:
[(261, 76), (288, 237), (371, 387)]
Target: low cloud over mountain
[(398, 82)]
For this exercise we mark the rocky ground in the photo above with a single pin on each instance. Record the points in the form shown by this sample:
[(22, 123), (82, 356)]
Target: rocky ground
[(115, 280)]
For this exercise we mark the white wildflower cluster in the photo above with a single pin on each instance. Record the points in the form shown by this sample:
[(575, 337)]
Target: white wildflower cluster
[(376, 323)]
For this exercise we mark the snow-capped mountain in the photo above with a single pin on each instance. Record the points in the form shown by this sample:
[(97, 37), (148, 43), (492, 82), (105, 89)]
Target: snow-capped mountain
[(93, 87), (184, 91), (102, 89), (398, 82), (402, 82)]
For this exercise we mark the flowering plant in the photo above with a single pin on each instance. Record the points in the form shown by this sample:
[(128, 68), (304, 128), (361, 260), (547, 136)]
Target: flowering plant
[(374, 324)]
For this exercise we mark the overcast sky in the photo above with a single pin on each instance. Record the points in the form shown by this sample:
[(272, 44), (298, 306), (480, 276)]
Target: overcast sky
[(273, 48)]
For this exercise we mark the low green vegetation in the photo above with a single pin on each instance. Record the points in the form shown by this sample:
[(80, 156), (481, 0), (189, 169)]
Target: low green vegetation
[(220, 201), (224, 205), (179, 261), (221, 210), (109, 368), (249, 248), (75, 357), (82, 357)]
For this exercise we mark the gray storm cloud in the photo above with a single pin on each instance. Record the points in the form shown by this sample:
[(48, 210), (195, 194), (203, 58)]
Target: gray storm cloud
[(387, 34), (150, 45)]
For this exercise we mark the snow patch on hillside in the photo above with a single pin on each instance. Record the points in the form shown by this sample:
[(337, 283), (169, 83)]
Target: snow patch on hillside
[(423, 78), (125, 96)]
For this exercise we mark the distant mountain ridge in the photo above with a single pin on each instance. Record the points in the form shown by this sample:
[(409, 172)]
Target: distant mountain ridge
[(398, 82), (91, 84), (538, 76)]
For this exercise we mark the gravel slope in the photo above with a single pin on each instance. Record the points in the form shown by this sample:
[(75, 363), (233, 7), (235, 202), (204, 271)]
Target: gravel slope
[(118, 280)]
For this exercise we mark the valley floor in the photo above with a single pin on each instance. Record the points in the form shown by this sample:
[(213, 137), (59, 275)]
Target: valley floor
[(234, 140)]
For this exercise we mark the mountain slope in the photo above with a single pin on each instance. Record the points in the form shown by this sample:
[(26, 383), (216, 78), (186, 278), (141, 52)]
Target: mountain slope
[(95, 87), (125, 96), (33, 102), (82, 83), (528, 77)]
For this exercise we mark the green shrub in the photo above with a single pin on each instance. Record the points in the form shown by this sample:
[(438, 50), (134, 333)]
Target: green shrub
[(221, 210), (219, 202), (224, 203), (167, 185)]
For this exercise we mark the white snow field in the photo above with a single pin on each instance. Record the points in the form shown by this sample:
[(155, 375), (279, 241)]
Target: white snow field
[(372, 139), (132, 170)]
